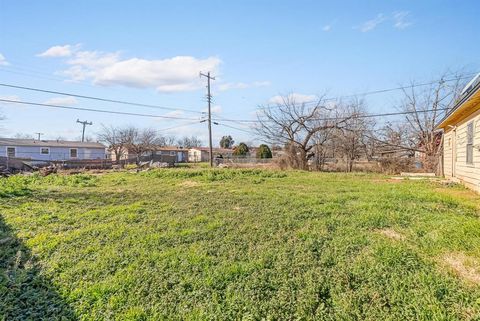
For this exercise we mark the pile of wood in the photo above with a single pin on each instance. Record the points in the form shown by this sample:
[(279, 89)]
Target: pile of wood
[(45, 171), (4, 172)]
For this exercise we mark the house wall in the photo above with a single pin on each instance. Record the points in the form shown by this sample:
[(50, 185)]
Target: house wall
[(455, 153), (56, 153), (181, 156), (197, 155)]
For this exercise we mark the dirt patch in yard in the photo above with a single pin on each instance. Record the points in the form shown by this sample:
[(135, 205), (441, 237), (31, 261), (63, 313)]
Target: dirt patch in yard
[(392, 234), (468, 268), (189, 184)]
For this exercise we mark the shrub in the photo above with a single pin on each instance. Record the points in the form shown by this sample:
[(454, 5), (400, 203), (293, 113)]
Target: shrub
[(264, 151)]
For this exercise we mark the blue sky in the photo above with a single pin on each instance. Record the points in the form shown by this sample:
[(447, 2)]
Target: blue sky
[(151, 52)]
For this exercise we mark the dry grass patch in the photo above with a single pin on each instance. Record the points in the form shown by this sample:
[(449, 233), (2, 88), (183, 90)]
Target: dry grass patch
[(466, 267), (189, 184), (392, 234)]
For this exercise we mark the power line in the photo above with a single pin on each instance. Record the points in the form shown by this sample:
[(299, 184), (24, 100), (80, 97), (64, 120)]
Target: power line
[(236, 128), (380, 91), (98, 98), (338, 118), (94, 110), (179, 126)]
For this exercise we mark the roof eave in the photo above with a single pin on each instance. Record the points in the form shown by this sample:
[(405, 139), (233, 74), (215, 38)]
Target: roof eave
[(458, 106)]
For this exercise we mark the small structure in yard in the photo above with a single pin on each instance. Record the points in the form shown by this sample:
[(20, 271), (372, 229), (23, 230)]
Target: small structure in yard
[(461, 141), (50, 150), (179, 153), (202, 154), (169, 154)]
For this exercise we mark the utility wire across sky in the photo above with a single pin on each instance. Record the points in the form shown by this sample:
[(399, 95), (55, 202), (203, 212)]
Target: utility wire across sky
[(94, 110), (99, 98)]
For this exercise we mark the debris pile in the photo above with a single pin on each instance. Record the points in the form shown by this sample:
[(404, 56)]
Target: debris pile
[(4, 172)]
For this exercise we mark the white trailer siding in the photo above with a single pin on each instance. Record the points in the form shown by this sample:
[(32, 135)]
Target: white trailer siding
[(51, 150)]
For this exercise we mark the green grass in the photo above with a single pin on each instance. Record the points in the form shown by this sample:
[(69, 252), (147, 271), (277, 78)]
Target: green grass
[(200, 244)]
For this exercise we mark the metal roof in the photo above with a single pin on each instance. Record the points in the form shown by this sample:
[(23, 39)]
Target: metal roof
[(471, 88), (48, 143)]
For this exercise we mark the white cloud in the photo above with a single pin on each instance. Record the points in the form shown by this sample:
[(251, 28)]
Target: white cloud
[(216, 109), (62, 101), (373, 23), (59, 51), (401, 19), (174, 74), (242, 85), (293, 98), (3, 60), (175, 113), (327, 28), (9, 97)]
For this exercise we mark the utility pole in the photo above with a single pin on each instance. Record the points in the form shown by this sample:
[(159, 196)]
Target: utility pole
[(84, 123), (209, 99), (39, 135)]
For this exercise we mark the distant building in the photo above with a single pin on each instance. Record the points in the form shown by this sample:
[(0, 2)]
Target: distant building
[(202, 154), (461, 140), (50, 150), (180, 154)]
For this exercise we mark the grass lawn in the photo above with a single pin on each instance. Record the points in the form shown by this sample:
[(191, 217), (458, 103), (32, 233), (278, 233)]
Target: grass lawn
[(197, 244)]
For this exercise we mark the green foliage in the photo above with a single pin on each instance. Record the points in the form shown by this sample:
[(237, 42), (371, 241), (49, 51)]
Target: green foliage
[(264, 151), (227, 142), (232, 244), (240, 150), (14, 186)]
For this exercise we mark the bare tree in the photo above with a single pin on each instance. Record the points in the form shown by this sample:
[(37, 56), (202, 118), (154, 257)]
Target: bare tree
[(189, 142), (115, 138), (168, 140), (23, 136), (426, 106), (353, 140), (294, 125), (141, 141)]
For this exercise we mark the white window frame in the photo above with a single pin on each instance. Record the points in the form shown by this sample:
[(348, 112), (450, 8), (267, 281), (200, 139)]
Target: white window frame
[(76, 152), (14, 151), (470, 143), (47, 148)]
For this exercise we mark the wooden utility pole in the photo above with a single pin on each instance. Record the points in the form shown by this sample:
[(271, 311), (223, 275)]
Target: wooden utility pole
[(39, 135), (84, 123), (209, 99)]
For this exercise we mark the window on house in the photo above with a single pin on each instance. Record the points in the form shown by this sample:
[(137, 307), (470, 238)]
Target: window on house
[(11, 151), (44, 150), (172, 153), (470, 143), (73, 153)]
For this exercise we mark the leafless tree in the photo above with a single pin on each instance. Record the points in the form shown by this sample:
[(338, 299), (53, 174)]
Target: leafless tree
[(353, 140), (189, 142), (23, 136), (426, 106), (294, 126), (140, 141), (116, 139)]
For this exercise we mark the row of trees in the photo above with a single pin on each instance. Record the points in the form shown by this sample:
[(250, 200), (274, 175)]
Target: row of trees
[(139, 141), (313, 132)]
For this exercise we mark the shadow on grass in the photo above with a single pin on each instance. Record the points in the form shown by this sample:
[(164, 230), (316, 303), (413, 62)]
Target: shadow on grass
[(24, 293)]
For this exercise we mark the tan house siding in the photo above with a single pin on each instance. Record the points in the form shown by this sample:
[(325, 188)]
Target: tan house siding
[(448, 154), (455, 152)]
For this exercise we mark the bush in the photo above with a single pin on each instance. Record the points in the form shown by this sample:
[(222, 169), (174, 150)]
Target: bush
[(396, 165), (264, 151)]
